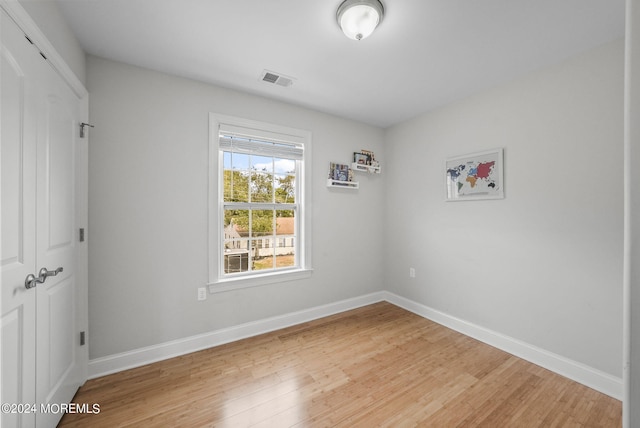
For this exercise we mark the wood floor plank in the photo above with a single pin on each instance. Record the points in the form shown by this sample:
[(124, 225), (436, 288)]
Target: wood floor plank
[(374, 366)]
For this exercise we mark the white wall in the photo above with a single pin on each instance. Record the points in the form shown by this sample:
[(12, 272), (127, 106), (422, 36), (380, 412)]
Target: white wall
[(148, 210), (543, 265)]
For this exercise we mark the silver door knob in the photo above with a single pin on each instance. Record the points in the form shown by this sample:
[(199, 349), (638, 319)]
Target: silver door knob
[(31, 280), (45, 273)]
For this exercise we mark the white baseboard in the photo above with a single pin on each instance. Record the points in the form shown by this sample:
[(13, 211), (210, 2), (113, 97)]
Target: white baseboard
[(581, 373), (595, 379), (150, 354)]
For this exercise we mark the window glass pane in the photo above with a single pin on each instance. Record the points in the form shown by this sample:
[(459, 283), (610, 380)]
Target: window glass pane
[(261, 187), (285, 238), (262, 223), (285, 223), (236, 255), (236, 247), (236, 224), (236, 186), (262, 250), (285, 252), (285, 189), (261, 163), (240, 161), (284, 166)]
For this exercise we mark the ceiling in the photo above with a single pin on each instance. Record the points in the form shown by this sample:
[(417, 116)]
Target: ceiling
[(425, 53)]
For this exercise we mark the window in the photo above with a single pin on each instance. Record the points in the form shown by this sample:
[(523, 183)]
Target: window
[(259, 226)]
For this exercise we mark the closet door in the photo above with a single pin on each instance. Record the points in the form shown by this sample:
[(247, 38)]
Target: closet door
[(18, 127), (57, 367), (40, 339)]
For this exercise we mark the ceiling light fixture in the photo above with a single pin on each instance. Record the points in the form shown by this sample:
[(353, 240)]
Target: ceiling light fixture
[(358, 18)]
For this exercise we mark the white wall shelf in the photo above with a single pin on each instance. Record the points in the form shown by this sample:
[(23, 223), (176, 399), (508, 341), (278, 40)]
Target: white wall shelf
[(343, 184), (365, 168)]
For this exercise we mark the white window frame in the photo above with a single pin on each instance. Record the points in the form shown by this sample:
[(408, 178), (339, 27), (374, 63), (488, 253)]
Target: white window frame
[(218, 282)]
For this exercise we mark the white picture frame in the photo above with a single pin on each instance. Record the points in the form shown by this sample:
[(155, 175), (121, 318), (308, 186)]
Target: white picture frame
[(475, 176)]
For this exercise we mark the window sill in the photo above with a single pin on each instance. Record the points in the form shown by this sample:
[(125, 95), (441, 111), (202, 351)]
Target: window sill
[(237, 283)]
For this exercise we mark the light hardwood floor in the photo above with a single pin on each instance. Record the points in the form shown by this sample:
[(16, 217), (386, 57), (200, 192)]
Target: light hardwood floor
[(374, 366)]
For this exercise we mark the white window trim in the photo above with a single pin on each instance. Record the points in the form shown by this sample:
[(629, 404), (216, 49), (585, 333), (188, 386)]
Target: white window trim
[(217, 283)]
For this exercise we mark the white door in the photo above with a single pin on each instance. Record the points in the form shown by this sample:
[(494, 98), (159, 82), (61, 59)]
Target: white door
[(57, 369), (18, 138), (40, 339)]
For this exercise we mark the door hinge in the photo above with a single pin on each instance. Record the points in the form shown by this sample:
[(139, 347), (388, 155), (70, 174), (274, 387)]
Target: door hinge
[(82, 339), (81, 235)]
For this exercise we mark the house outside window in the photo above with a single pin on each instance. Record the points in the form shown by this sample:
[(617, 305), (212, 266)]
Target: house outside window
[(258, 213)]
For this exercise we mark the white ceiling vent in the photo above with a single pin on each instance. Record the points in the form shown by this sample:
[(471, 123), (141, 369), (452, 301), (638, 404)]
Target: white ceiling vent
[(276, 78)]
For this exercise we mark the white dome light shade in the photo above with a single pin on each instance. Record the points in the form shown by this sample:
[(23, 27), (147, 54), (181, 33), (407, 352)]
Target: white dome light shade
[(358, 18)]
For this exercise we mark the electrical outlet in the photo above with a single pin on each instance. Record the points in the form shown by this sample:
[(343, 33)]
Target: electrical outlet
[(412, 272), (202, 293)]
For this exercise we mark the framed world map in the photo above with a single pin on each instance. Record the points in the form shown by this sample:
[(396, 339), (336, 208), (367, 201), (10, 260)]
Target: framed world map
[(475, 176)]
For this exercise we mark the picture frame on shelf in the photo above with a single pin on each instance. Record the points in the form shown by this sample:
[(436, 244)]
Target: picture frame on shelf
[(361, 158), (372, 158), (339, 172), (341, 175), (365, 161)]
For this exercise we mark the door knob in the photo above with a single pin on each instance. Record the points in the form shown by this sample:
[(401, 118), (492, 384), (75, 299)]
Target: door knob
[(45, 273), (31, 280)]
